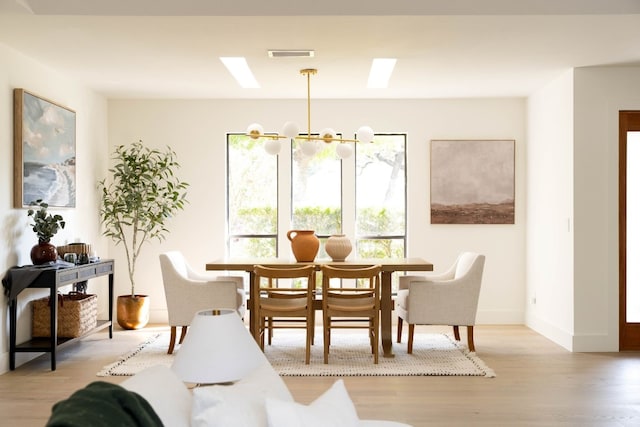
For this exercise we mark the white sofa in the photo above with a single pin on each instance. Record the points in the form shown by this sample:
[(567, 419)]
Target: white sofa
[(259, 399)]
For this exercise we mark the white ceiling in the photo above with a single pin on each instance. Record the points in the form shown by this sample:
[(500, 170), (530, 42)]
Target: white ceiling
[(455, 48)]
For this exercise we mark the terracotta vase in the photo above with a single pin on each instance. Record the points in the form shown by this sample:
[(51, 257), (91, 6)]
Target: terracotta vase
[(133, 311), (338, 247), (304, 244), (43, 252)]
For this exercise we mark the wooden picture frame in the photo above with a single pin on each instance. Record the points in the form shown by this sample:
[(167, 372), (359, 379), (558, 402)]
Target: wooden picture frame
[(473, 181), (44, 136)]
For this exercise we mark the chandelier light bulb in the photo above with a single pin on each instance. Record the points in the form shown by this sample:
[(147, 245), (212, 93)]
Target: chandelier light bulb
[(364, 134), (272, 146), (344, 150), (290, 129), (309, 148), (255, 131)]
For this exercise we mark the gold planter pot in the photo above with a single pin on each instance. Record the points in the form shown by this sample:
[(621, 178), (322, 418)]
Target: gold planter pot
[(133, 311)]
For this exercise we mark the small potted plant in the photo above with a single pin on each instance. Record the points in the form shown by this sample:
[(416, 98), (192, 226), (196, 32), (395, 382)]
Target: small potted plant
[(141, 196), (45, 226)]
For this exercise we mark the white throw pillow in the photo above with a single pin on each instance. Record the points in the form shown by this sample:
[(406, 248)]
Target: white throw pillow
[(167, 395), (333, 408), (241, 404)]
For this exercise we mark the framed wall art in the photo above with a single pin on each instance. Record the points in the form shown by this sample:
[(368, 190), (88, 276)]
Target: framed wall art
[(44, 151), (473, 181)]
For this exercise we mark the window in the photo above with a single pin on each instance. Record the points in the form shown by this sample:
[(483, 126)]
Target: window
[(252, 198), (363, 196), (316, 192), (381, 197)]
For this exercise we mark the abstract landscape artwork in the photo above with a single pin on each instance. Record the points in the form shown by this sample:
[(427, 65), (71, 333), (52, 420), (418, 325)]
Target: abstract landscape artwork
[(44, 151), (472, 181)]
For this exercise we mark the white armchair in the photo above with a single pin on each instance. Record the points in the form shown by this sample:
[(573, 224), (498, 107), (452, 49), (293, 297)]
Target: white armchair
[(450, 298), (188, 292)]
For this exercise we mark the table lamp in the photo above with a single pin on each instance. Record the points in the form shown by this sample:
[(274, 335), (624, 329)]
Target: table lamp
[(218, 349)]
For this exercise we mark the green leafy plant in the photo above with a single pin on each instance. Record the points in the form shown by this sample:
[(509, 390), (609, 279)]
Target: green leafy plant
[(144, 192), (44, 224)]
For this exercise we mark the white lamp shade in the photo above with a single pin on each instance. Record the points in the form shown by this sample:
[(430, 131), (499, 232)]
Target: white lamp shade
[(310, 148), (255, 131), (364, 134), (344, 150), (290, 129), (218, 348), (272, 146)]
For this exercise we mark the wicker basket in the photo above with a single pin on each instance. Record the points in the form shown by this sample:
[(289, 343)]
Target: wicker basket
[(77, 315)]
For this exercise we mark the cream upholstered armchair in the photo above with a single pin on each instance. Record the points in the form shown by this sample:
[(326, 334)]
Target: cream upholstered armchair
[(188, 292), (450, 298)]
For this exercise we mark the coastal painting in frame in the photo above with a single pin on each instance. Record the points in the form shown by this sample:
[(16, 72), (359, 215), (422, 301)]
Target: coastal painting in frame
[(44, 151), (472, 182)]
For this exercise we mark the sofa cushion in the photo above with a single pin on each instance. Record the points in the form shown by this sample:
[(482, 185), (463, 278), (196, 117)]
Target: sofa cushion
[(333, 408), (168, 396), (241, 404)]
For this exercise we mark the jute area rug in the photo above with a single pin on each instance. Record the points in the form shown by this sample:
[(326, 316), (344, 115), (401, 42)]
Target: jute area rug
[(350, 355)]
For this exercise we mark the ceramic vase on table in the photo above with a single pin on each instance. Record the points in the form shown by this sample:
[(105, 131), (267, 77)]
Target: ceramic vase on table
[(43, 252), (338, 247), (304, 244)]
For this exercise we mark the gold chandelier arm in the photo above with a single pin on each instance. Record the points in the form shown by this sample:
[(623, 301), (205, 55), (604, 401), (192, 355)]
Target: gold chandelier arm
[(327, 140), (267, 136)]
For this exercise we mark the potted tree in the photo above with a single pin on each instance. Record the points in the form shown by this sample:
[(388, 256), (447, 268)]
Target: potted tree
[(143, 193), (45, 226)]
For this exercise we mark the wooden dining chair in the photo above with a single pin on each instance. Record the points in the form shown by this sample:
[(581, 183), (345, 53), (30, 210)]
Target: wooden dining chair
[(279, 305), (356, 305)]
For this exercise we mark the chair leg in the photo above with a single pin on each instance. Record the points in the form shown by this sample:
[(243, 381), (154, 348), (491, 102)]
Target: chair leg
[(410, 340), (456, 333), (172, 341), (400, 329), (307, 356), (376, 338), (270, 329), (470, 343), (327, 334), (183, 333)]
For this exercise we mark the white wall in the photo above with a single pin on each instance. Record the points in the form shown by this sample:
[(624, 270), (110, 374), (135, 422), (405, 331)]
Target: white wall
[(600, 92), (18, 71), (549, 253), (196, 131)]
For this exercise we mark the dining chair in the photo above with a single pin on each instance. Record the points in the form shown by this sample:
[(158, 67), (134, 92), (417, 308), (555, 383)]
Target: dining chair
[(280, 301), (450, 298), (348, 307), (188, 292)]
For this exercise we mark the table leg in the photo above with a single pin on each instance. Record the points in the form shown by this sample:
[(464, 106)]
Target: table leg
[(53, 298), (13, 310), (386, 305), (111, 306)]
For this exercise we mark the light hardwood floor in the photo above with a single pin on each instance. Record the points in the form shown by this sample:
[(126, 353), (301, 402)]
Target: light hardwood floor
[(538, 384)]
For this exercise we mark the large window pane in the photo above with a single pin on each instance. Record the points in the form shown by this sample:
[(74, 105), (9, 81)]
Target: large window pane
[(252, 198), (381, 187), (316, 184)]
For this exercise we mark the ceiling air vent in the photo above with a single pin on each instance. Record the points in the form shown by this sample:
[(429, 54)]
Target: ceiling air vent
[(298, 53)]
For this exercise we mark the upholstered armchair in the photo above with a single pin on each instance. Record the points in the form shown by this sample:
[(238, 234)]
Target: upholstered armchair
[(450, 298), (188, 292)]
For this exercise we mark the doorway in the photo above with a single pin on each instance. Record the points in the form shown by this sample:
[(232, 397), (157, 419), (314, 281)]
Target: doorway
[(629, 229)]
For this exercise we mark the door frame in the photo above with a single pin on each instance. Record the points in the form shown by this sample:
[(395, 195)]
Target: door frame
[(629, 333)]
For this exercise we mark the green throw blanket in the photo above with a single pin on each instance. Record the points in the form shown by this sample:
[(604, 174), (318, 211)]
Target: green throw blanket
[(102, 404)]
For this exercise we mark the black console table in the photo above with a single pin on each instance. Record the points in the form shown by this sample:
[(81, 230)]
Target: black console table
[(52, 278)]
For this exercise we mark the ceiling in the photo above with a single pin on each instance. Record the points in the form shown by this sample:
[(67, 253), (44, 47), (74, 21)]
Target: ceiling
[(445, 49)]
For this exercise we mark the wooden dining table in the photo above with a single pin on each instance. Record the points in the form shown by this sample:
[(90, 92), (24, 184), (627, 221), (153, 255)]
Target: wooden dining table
[(389, 266)]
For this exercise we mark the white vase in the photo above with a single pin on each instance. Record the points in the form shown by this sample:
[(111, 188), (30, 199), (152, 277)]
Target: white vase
[(338, 247)]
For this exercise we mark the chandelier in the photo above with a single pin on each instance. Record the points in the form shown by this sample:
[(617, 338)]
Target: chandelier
[(310, 143)]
